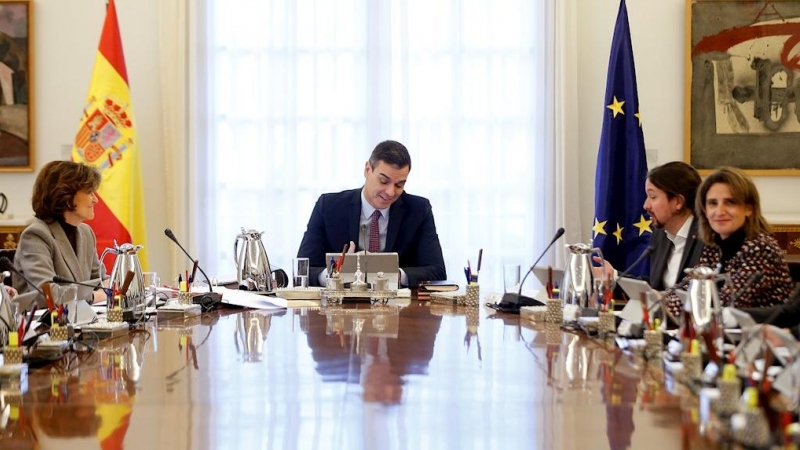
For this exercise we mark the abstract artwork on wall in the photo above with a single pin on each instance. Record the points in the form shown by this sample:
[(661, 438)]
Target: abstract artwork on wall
[(16, 88), (743, 85)]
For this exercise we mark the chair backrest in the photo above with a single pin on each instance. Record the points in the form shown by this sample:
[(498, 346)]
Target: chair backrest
[(8, 253)]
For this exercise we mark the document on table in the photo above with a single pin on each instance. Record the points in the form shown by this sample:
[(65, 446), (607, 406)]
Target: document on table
[(247, 299)]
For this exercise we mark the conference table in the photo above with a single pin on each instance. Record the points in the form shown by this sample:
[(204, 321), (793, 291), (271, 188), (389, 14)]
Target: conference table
[(409, 374)]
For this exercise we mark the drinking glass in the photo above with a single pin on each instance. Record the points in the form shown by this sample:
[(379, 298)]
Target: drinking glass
[(300, 270), (151, 282), (511, 277)]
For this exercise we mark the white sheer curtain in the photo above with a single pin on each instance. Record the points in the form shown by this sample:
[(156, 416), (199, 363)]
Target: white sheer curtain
[(294, 94)]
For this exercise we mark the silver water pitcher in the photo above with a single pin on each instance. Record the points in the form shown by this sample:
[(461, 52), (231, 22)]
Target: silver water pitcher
[(252, 264), (578, 286), (703, 297), (127, 259)]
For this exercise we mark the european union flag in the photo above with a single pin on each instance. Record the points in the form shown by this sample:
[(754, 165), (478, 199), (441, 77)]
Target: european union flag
[(620, 228)]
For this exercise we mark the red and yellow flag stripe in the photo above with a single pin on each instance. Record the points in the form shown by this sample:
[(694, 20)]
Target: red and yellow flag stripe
[(106, 139)]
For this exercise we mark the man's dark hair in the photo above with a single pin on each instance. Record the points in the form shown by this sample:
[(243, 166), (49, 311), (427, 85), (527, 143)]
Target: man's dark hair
[(677, 179), (392, 153)]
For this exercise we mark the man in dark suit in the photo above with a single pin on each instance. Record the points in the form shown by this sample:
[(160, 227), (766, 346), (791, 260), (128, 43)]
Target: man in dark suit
[(662, 251), (380, 213), (671, 190)]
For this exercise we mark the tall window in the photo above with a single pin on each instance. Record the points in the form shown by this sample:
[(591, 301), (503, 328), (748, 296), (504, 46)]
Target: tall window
[(300, 91)]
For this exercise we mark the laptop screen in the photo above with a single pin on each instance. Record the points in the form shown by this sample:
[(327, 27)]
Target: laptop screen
[(371, 264)]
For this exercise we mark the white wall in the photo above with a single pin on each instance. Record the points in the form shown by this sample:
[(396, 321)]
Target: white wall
[(65, 38), (657, 32)]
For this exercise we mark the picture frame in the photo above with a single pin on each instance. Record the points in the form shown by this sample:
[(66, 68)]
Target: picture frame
[(742, 86), (16, 86)]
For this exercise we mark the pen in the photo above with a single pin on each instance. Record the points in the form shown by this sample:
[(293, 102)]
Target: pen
[(466, 273), (48, 296), (28, 325), (341, 258), (480, 259)]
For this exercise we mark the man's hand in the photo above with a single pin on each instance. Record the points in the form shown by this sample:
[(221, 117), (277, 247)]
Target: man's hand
[(11, 291), (598, 271)]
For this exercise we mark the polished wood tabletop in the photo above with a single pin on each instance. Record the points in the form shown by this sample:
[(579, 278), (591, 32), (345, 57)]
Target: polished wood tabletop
[(404, 376)]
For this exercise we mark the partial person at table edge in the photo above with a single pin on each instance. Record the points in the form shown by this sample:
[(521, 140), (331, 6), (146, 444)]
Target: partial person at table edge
[(737, 238), (405, 222), (58, 242)]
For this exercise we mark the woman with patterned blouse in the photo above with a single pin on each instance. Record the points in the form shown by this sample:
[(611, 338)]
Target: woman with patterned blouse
[(737, 240)]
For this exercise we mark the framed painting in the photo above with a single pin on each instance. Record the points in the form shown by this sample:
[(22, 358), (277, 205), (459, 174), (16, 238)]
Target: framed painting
[(743, 86), (16, 87)]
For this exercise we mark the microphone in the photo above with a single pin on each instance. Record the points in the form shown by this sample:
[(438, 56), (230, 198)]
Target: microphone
[(215, 297), (793, 303), (61, 280), (754, 278), (638, 261), (513, 301)]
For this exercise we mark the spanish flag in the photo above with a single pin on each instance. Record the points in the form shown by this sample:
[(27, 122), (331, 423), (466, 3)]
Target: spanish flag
[(107, 140)]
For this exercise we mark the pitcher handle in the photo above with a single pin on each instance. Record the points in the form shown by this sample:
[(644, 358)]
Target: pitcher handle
[(105, 252), (236, 253)]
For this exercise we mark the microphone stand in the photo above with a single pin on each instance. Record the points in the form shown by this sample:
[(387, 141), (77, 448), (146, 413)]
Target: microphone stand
[(212, 297), (513, 301)]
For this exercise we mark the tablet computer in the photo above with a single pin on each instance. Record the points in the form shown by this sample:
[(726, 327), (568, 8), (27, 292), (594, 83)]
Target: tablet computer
[(634, 288)]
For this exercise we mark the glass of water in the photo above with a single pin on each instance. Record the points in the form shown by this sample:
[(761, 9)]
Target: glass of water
[(511, 277), (300, 270), (151, 283)]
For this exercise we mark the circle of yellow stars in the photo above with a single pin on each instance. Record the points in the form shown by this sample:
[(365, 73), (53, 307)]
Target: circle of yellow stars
[(643, 224), (600, 228)]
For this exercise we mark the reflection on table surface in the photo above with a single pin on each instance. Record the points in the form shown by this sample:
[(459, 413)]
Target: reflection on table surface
[(397, 376)]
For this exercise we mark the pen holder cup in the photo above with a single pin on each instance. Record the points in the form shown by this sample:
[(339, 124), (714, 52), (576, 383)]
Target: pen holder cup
[(185, 298), (114, 315), (753, 431), (473, 295), (555, 312), (334, 284), (692, 366), (729, 393), (654, 344), (13, 355), (380, 285), (58, 333), (607, 322)]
